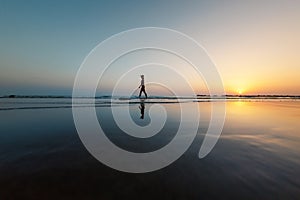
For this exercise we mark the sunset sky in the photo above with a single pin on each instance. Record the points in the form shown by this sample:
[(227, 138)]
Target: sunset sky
[(255, 44)]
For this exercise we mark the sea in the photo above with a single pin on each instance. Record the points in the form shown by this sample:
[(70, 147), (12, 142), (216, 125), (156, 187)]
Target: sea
[(257, 155)]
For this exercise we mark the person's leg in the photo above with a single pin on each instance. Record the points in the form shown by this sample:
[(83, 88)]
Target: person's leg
[(144, 90), (140, 92)]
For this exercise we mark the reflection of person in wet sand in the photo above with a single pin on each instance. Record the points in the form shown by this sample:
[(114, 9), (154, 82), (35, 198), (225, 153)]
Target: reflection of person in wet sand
[(142, 108), (142, 86)]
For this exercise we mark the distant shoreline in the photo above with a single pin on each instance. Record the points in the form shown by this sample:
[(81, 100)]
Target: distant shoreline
[(163, 97)]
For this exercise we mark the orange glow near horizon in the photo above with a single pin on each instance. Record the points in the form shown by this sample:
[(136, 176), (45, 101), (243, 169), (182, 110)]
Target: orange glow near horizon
[(277, 83)]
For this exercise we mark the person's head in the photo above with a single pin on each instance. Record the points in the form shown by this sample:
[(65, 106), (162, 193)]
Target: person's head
[(142, 76)]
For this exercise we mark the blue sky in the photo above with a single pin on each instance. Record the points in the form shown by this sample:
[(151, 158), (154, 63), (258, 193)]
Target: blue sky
[(43, 43)]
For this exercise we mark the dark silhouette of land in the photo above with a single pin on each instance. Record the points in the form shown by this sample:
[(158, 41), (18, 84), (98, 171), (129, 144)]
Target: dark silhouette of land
[(261, 96)]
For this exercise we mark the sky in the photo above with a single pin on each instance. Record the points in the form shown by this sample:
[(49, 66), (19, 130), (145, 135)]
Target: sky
[(254, 44)]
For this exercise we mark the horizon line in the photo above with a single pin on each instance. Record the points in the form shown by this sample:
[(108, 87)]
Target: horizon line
[(205, 96)]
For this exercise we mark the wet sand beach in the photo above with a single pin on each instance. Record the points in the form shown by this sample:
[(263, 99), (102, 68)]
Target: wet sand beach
[(256, 157)]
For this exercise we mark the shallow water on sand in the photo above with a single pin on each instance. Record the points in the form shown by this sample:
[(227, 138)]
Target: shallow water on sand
[(256, 157)]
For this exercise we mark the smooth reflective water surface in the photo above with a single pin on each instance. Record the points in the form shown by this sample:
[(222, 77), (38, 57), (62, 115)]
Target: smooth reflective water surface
[(256, 157)]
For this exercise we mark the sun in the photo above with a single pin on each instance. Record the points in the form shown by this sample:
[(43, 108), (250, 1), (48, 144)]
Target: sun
[(240, 91)]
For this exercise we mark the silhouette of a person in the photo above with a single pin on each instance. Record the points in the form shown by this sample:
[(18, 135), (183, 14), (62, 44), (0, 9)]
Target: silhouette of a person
[(142, 86), (142, 108)]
